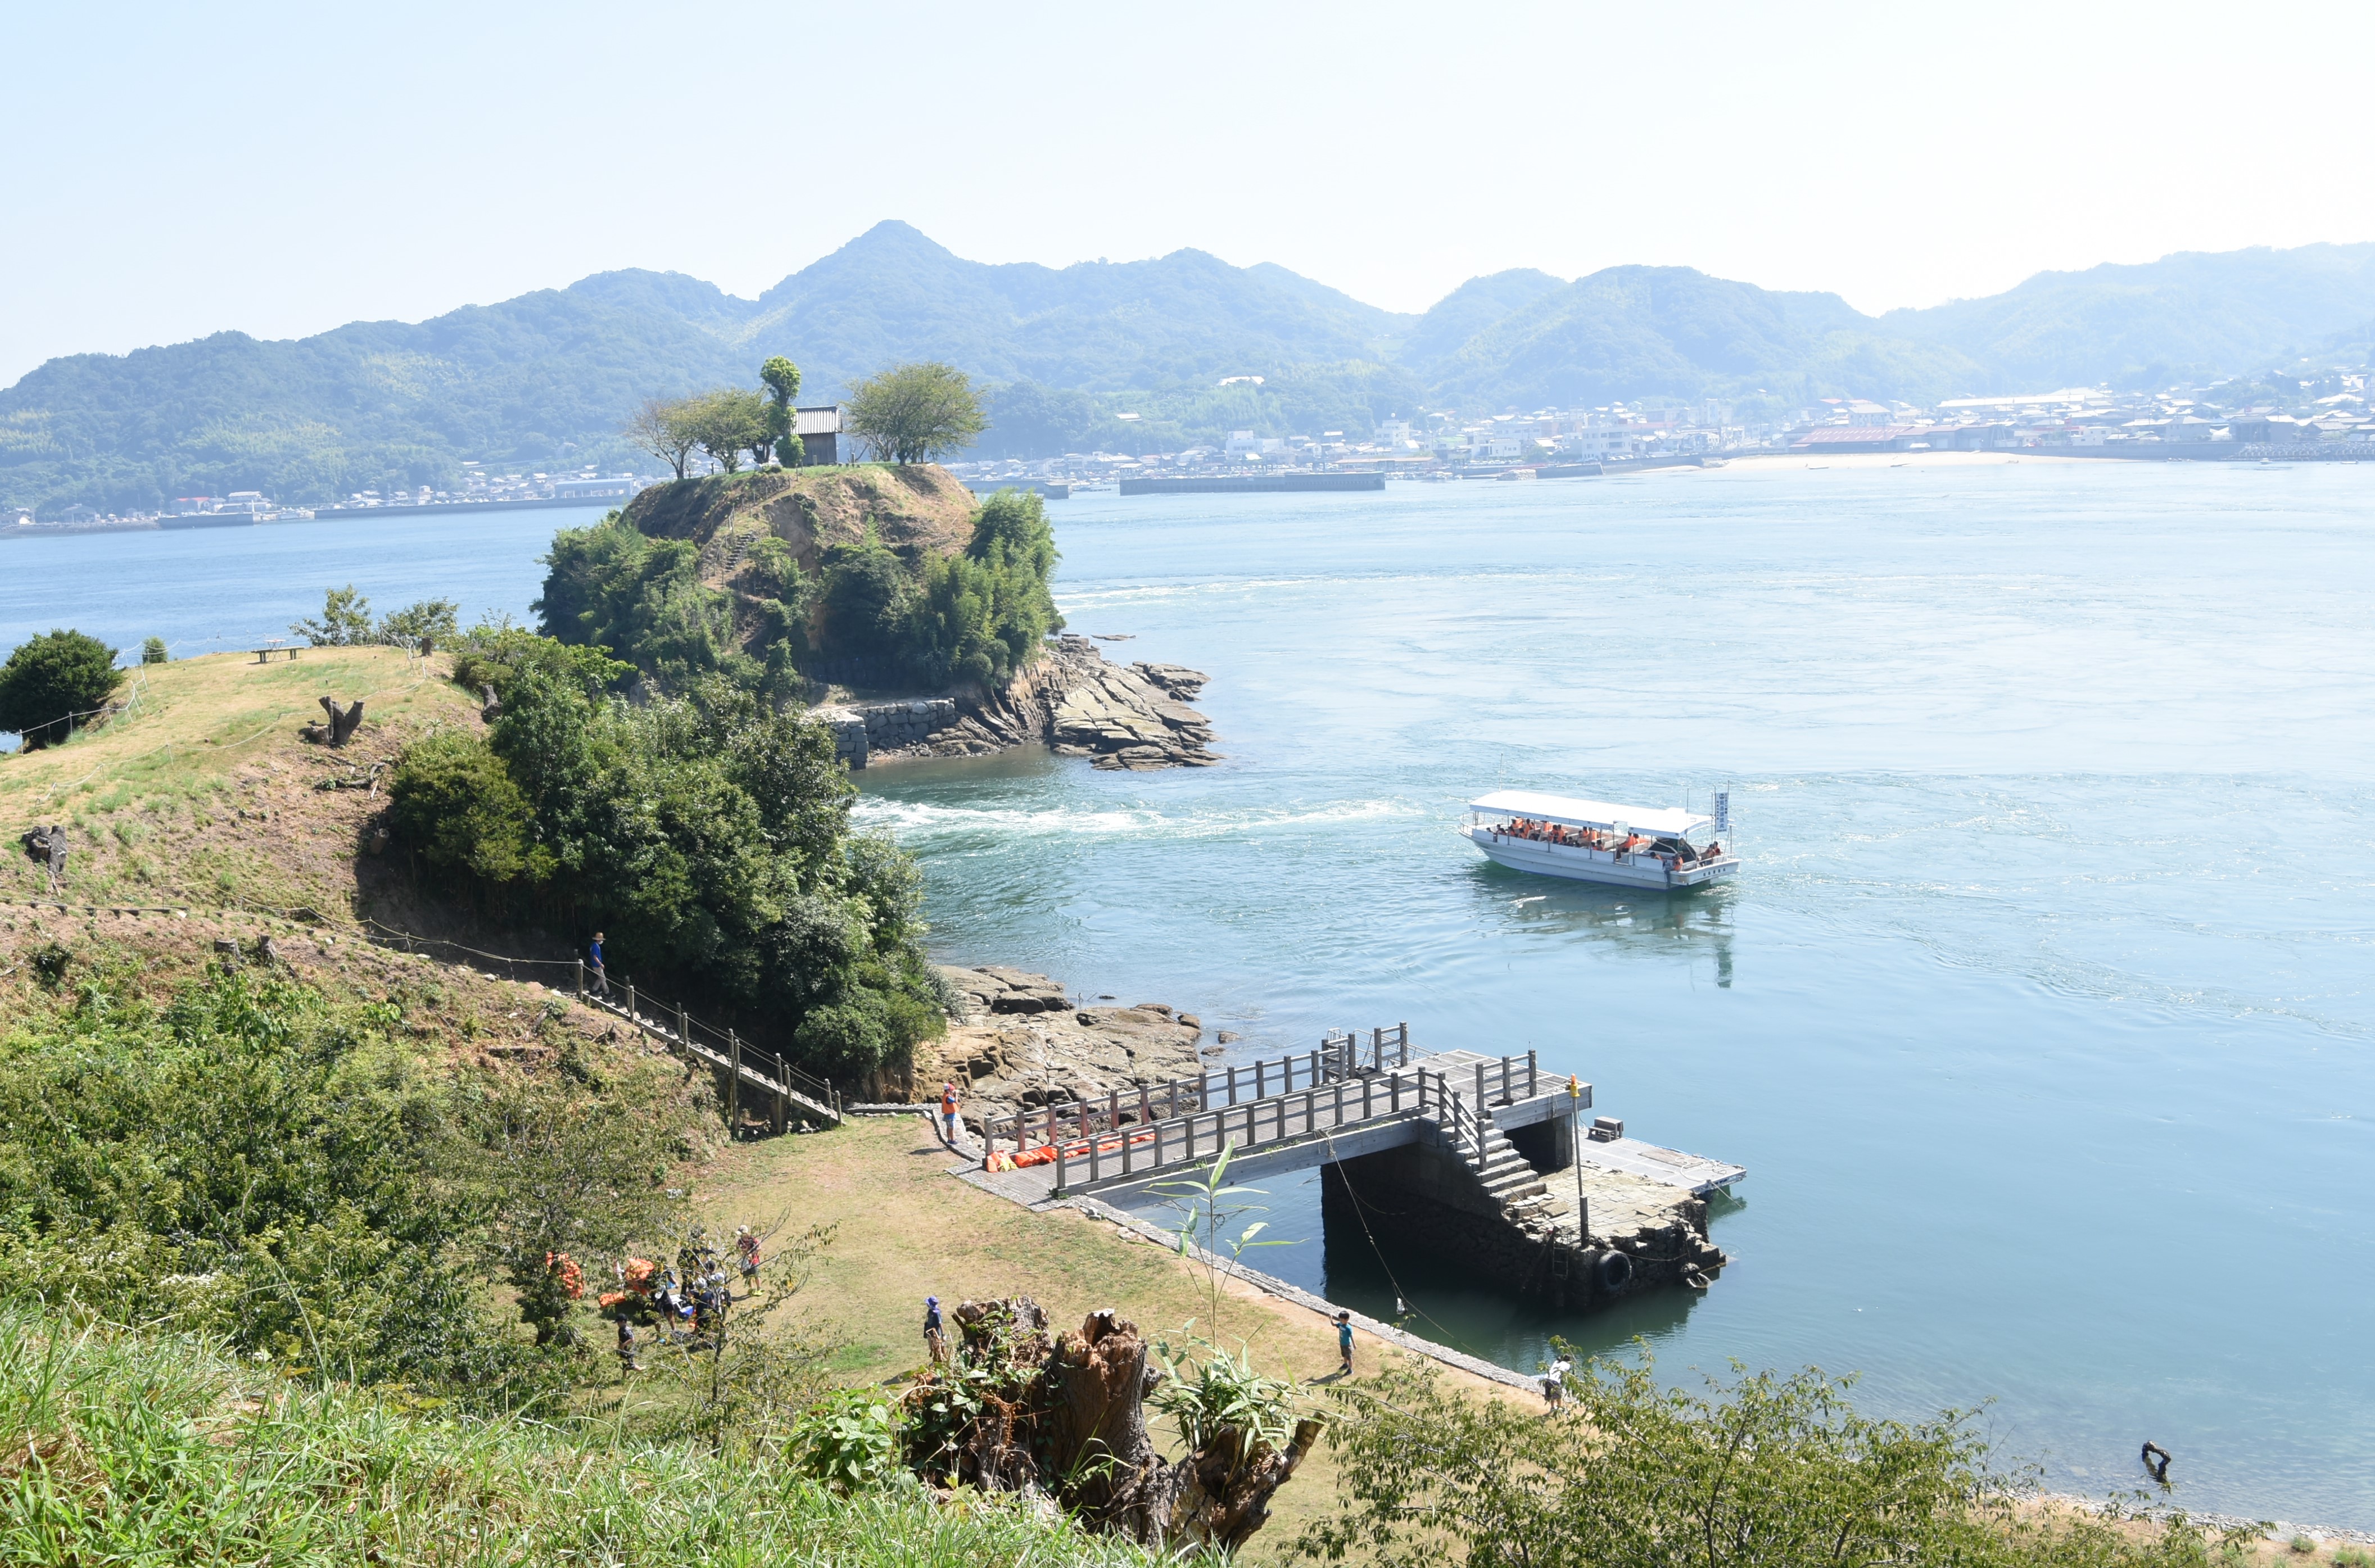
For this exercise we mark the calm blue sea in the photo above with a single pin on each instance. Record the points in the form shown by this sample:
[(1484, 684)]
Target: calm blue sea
[(2041, 1012)]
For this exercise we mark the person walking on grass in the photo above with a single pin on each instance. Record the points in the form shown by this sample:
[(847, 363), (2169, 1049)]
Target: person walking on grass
[(594, 963), (1344, 1340), (949, 1112), (746, 1247), (935, 1335)]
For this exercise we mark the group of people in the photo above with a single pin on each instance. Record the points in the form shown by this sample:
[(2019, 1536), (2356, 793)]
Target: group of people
[(1678, 851), (686, 1302), (1559, 832)]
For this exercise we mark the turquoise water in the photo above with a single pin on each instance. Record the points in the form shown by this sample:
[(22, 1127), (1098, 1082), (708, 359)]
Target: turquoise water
[(2040, 1014)]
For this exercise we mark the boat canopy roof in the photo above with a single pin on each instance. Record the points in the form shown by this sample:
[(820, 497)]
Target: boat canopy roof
[(1567, 811)]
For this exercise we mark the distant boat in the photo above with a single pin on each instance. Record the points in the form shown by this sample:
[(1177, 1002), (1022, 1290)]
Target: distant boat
[(1597, 841)]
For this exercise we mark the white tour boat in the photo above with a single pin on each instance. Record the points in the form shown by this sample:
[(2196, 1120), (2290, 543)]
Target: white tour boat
[(1594, 841)]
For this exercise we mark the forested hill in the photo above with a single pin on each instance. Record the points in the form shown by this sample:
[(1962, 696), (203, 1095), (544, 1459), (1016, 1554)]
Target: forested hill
[(1122, 356)]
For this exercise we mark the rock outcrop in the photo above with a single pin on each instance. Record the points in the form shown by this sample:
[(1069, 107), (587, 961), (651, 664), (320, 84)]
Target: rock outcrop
[(1134, 716), (1023, 1042)]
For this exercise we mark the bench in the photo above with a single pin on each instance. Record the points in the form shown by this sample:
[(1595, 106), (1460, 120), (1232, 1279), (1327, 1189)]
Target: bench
[(264, 655)]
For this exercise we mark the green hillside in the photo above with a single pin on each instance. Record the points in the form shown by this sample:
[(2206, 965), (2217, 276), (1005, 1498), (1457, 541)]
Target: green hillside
[(1632, 332), (2193, 315), (543, 381)]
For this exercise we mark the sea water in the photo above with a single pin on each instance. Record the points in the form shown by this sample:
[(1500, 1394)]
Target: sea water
[(2039, 1014)]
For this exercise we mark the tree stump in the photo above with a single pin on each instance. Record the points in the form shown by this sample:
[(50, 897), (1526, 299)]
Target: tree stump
[(343, 722), (490, 707), (47, 847), (1069, 1417)]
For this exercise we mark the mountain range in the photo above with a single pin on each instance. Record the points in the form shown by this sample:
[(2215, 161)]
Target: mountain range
[(1124, 355)]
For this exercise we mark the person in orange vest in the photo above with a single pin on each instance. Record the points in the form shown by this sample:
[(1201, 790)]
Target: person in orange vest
[(948, 1110)]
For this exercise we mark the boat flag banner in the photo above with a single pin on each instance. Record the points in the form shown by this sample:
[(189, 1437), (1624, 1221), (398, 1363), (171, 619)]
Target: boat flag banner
[(1723, 813)]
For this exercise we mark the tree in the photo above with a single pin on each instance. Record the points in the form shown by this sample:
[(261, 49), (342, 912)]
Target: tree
[(1767, 1470), (571, 1179), (345, 620), (661, 427), (153, 652), (433, 619), (783, 382), (913, 413), (728, 422), (51, 680)]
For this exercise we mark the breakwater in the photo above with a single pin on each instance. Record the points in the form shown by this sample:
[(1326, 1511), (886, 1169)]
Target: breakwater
[(1238, 484)]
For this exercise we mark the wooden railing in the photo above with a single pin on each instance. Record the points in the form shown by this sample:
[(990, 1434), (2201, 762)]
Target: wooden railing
[(744, 1063), (1339, 1058), (1122, 1150)]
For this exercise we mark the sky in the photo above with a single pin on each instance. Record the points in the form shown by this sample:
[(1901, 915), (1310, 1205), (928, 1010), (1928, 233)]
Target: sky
[(280, 169)]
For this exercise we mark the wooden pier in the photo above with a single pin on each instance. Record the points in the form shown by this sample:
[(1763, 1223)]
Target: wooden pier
[(1467, 1148)]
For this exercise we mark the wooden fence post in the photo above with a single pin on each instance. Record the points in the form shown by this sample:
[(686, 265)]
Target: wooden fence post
[(734, 1085)]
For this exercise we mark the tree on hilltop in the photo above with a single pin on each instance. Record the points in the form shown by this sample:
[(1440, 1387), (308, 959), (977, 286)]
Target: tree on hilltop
[(914, 413), (783, 382), (728, 422), (52, 679), (660, 425)]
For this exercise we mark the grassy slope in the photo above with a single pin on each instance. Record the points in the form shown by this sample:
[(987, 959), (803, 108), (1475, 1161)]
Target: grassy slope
[(908, 1231), (202, 795), (122, 1449), (204, 799)]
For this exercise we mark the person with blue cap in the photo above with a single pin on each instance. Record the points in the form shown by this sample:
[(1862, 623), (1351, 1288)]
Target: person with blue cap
[(936, 1338)]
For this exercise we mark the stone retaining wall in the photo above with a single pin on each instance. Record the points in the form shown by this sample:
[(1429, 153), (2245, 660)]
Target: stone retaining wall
[(859, 732)]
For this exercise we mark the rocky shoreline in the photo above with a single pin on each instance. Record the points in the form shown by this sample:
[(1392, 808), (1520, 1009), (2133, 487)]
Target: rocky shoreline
[(1133, 717), (1021, 1042)]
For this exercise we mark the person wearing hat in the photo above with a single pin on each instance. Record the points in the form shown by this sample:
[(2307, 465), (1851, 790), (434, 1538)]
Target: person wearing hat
[(936, 1338), (746, 1247), (949, 1112), (1344, 1340)]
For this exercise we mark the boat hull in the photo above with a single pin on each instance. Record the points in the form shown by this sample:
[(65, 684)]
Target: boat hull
[(1580, 865)]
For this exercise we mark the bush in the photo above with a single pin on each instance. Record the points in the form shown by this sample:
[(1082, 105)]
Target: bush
[(247, 1163), (153, 652), (708, 833), (452, 802), (850, 1440), (607, 586), (868, 608), (1764, 1470), (52, 679)]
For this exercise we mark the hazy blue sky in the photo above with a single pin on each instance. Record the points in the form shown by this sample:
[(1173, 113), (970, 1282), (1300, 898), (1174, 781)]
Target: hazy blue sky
[(175, 170)]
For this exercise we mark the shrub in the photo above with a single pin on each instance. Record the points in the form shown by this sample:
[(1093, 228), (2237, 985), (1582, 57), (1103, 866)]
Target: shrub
[(609, 586), (452, 801), (246, 1161), (850, 1440), (868, 602), (1766, 1468), (50, 680), (153, 652)]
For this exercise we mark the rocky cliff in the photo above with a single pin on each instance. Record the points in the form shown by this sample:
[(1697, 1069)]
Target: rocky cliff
[(919, 509), (1021, 1042), (1074, 700)]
